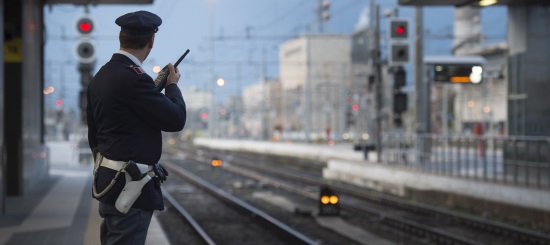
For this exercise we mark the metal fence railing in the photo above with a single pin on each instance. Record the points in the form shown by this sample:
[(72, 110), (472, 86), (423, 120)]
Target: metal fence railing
[(516, 160)]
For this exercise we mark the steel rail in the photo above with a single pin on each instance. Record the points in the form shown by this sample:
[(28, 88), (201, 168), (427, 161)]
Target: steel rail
[(294, 236), (196, 227)]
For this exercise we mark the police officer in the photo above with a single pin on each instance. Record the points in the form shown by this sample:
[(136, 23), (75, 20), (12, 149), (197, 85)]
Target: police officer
[(125, 119)]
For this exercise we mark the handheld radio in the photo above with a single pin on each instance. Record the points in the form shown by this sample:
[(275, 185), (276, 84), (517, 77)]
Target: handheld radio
[(160, 81)]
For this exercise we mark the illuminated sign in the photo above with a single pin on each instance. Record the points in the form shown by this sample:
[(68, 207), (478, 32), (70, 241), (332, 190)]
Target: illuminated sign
[(458, 73)]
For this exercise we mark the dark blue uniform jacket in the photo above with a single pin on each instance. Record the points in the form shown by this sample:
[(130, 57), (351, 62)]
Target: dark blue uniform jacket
[(125, 119)]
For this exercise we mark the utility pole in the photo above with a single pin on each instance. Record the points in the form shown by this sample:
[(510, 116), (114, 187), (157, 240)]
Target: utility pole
[(421, 122), (307, 91), (422, 93), (211, 86)]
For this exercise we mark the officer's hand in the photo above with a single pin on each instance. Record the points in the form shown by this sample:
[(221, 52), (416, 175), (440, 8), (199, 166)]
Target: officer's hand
[(174, 75), (160, 172)]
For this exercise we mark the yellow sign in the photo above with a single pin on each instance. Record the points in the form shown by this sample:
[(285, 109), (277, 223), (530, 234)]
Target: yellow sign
[(13, 50)]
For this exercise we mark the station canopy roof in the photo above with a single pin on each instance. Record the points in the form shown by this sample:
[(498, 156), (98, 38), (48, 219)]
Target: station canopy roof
[(100, 1), (467, 2), (471, 59)]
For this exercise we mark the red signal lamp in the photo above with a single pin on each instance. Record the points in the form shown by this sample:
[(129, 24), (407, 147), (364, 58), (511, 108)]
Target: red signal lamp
[(400, 30), (85, 27)]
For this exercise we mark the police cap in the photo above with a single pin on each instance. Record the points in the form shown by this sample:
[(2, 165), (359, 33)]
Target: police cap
[(139, 23)]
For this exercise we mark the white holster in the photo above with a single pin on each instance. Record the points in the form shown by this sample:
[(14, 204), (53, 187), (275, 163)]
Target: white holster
[(130, 193)]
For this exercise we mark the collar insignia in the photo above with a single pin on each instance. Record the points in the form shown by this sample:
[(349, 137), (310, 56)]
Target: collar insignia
[(138, 70)]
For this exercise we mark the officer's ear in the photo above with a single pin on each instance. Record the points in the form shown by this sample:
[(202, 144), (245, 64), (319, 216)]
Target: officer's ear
[(152, 41)]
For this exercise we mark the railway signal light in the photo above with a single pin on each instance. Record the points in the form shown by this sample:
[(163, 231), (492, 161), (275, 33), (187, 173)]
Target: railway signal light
[(325, 7), (85, 49), (216, 162), (85, 52), (399, 53), (85, 25), (355, 107), (329, 203), (399, 97), (399, 29)]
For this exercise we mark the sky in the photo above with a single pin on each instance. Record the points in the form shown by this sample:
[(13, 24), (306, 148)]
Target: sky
[(240, 61)]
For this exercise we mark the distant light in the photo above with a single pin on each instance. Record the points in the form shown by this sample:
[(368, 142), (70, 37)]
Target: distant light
[(59, 102), (475, 78), (348, 100), (345, 136), (366, 136), (48, 90), (204, 116), (355, 107), (477, 69), (156, 69), (476, 74), (331, 143), (471, 103), (333, 199), (484, 3), (486, 109), (220, 82), (326, 199), (216, 162)]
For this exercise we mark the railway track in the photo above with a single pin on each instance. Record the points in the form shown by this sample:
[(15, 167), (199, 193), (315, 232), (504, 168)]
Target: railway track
[(226, 219), (436, 224)]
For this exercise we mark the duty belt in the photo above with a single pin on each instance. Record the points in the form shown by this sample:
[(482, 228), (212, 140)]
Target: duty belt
[(118, 166)]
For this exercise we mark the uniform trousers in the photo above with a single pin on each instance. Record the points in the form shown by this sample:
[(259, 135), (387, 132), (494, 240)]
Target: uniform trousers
[(121, 229)]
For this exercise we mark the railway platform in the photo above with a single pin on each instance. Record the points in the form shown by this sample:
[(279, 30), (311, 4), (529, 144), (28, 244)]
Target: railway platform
[(60, 211)]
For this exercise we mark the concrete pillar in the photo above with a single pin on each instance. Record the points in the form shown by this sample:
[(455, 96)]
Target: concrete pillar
[(26, 155), (2, 142), (467, 29), (528, 69)]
